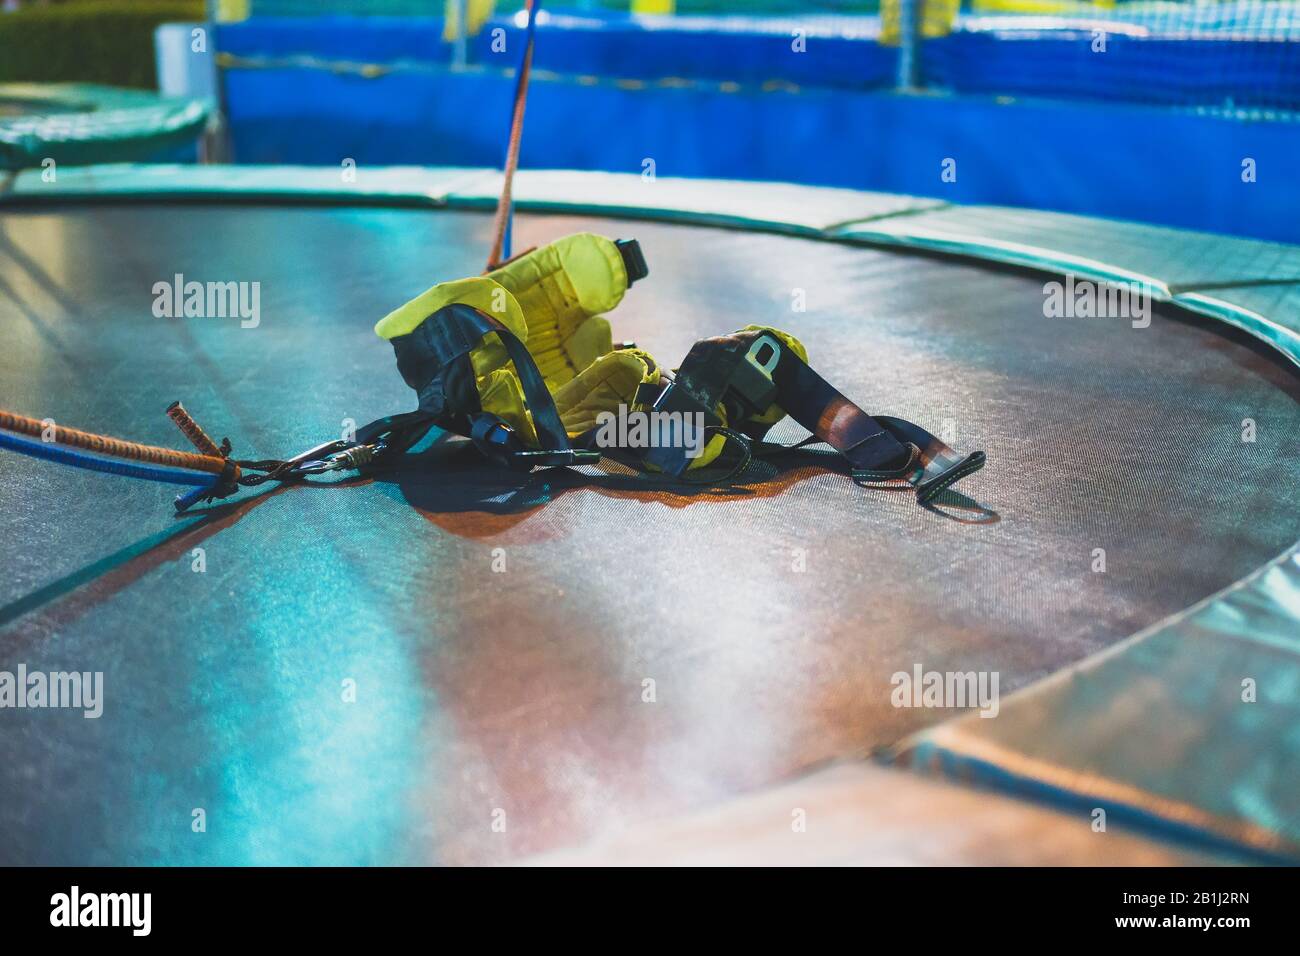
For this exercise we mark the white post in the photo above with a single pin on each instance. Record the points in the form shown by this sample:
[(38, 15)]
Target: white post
[(460, 46), (181, 70)]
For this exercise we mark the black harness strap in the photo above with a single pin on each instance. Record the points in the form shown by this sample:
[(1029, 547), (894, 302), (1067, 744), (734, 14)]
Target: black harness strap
[(819, 407), (747, 371)]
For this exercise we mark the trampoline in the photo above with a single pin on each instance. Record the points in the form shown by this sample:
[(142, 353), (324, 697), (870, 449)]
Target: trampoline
[(499, 630), (79, 123)]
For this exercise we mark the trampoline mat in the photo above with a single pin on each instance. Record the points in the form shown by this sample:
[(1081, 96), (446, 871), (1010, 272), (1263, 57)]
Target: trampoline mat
[(539, 659)]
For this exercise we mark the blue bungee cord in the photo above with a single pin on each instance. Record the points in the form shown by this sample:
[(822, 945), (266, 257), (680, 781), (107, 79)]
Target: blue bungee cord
[(77, 459)]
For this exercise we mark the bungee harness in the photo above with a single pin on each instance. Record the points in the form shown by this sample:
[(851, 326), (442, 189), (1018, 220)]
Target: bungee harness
[(521, 362)]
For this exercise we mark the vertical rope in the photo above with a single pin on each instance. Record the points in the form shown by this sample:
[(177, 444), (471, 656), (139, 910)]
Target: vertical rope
[(501, 226)]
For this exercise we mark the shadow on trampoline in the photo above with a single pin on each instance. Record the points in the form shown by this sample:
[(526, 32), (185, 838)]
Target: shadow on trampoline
[(73, 595), (451, 486)]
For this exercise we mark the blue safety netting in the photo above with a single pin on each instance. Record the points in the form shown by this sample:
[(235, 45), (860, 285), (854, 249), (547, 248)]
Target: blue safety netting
[(1234, 55)]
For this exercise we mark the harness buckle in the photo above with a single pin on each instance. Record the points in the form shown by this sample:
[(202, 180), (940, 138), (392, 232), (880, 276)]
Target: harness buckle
[(676, 400), (550, 458), (751, 383)]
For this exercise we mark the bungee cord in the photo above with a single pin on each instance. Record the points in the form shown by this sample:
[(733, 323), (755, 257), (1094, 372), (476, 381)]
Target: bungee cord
[(48, 431), (67, 456), (503, 222), (212, 475)]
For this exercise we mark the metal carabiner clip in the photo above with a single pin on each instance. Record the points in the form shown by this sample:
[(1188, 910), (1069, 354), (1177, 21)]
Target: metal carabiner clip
[(316, 460)]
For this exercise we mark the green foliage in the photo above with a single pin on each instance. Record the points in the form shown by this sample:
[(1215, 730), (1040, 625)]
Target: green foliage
[(87, 41)]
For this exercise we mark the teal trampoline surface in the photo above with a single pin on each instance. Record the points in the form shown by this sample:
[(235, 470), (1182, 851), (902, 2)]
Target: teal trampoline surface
[(335, 674)]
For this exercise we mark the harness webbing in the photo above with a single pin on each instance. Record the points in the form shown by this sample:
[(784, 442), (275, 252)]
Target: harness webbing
[(822, 409), (747, 372)]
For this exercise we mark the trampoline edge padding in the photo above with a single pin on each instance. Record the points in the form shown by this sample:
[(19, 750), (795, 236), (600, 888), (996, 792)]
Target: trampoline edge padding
[(1217, 277), (1224, 282), (281, 185), (1187, 727), (1111, 732)]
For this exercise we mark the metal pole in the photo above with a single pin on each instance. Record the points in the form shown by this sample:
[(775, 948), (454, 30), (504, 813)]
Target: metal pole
[(909, 19), (215, 146)]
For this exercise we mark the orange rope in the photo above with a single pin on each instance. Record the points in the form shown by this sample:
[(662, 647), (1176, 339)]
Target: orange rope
[(512, 156), (106, 445)]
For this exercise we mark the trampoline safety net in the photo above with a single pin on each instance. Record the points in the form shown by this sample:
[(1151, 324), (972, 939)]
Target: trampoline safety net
[(1234, 56)]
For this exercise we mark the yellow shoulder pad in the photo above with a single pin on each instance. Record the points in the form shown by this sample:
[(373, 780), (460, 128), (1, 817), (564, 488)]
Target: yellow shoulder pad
[(478, 292), (490, 298)]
